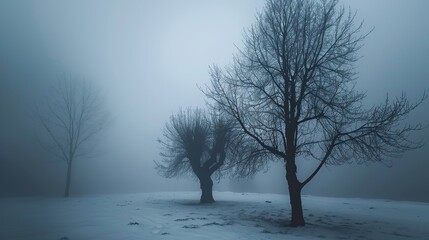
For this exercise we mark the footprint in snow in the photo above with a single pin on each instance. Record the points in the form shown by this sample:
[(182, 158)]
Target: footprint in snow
[(192, 226), (183, 219)]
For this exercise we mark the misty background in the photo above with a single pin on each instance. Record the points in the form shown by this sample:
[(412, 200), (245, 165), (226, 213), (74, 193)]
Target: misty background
[(148, 59)]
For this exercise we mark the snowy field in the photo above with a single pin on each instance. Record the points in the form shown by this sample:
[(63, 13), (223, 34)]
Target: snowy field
[(233, 216)]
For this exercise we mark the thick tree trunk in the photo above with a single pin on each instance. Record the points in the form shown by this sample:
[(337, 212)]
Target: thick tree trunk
[(66, 192), (295, 196), (206, 184), (296, 206)]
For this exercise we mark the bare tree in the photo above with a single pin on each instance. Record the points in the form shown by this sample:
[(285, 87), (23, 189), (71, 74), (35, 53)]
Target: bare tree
[(291, 91), (71, 117), (194, 143)]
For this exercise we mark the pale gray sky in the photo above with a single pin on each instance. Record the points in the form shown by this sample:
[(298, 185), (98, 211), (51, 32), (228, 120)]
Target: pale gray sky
[(148, 57)]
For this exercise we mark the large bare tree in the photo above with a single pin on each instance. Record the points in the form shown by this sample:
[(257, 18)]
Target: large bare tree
[(291, 91), (195, 143), (72, 117)]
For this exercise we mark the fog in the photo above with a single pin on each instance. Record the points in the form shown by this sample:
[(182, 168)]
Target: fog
[(149, 58)]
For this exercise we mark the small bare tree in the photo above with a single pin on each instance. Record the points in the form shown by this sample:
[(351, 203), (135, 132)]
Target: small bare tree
[(71, 117), (194, 143), (291, 91)]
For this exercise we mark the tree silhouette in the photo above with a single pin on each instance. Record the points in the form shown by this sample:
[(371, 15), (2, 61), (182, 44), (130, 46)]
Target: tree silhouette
[(291, 91), (194, 143), (71, 117)]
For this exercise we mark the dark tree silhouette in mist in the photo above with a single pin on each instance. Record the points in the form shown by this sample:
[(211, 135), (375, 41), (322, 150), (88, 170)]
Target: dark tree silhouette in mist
[(72, 116), (291, 91), (194, 143)]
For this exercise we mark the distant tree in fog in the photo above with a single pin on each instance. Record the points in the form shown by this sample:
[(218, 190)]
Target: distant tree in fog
[(291, 91), (195, 143), (71, 117)]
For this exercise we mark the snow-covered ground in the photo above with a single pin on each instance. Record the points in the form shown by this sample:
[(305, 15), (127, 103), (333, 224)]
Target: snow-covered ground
[(233, 216)]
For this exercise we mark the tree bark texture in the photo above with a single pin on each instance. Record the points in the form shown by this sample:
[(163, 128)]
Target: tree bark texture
[(294, 194), (206, 184)]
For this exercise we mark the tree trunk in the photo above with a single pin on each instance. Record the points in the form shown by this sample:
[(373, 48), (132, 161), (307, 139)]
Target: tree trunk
[(66, 192), (206, 184), (296, 206), (295, 196)]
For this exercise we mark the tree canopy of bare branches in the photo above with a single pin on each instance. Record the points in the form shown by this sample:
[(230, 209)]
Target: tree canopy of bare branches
[(291, 91), (195, 143), (71, 116)]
